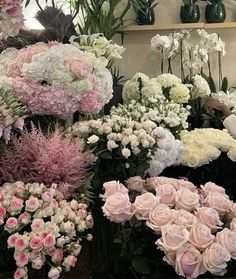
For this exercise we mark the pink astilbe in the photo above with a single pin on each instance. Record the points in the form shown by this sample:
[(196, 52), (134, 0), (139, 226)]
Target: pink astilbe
[(47, 159)]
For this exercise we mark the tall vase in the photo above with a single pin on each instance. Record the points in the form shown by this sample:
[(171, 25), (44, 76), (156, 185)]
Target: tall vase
[(146, 16), (190, 13), (215, 13)]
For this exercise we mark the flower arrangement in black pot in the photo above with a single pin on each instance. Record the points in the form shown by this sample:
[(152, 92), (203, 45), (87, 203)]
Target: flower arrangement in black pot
[(215, 11), (145, 12), (189, 11)]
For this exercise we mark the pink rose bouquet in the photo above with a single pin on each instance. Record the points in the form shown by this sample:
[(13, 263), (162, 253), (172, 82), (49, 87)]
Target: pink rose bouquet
[(11, 18), (58, 79), (43, 227), (188, 220)]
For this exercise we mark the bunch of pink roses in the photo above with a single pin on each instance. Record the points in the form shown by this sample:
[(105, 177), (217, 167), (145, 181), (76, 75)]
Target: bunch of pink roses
[(11, 18), (188, 220), (42, 226), (58, 79)]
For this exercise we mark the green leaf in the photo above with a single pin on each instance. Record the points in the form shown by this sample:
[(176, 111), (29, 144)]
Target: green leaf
[(27, 3), (140, 265), (106, 155), (225, 85)]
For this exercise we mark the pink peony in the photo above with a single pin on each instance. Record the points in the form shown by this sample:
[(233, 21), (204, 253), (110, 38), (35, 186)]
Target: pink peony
[(200, 236), (159, 216), (227, 239), (233, 225), (21, 243), (173, 237), (117, 208), (20, 273), (37, 225), (11, 224), (189, 262), (36, 243), (49, 241), (22, 259), (11, 241), (215, 259), (16, 204), (166, 193)]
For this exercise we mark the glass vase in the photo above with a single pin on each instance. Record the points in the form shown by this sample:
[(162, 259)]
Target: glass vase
[(146, 16), (190, 13), (215, 13)]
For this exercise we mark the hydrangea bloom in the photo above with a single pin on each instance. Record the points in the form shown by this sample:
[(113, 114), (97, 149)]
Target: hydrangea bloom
[(58, 79), (11, 18)]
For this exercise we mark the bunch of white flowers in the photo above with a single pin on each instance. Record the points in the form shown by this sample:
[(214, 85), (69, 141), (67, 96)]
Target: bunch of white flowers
[(204, 145), (201, 87), (132, 136), (99, 45)]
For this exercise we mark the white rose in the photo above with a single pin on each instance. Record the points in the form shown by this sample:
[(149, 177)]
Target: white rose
[(93, 139), (126, 152)]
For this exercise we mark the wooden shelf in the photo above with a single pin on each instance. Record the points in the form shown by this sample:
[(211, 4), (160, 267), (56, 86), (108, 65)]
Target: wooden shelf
[(157, 27)]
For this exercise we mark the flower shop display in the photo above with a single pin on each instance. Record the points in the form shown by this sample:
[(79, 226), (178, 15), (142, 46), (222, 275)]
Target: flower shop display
[(12, 113), (43, 227), (215, 11), (49, 158), (190, 11), (11, 18), (201, 146), (188, 221), (99, 45), (58, 79)]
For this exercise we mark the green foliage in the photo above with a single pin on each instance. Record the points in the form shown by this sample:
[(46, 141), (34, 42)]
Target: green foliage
[(225, 85), (189, 2)]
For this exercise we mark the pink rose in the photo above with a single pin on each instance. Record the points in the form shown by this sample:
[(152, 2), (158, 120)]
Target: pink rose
[(20, 188), (170, 258), (58, 256), (160, 180), (24, 218), (11, 224), (70, 261), (12, 240), (50, 251), (49, 241), (37, 225), (22, 259), (189, 262), (215, 259), (159, 216), (54, 272), (233, 225), (227, 239), (61, 241), (35, 254), (209, 216), (36, 243), (212, 187), (173, 237), (20, 273), (117, 208), (135, 183), (166, 193), (184, 218), (113, 187), (144, 204), (186, 199), (16, 204), (232, 212), (200, 236), (74, 205), (2, 211), (218, 201), (32, 204), (47, 196), (21, 243), (185, 184)]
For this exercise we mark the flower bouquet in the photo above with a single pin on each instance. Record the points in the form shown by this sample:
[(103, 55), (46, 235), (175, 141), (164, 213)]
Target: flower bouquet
[(43, 227), (188, 221), (57, 79)]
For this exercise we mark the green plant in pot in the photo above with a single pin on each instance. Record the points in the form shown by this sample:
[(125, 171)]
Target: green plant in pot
[(215, 11), (189, 11), (145, 12)]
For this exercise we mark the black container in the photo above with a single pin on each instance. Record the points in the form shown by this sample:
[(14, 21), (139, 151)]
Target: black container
[(190, 13), (215, 13), (146, 16)]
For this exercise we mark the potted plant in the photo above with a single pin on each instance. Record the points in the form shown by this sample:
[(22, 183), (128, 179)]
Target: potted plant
[(215, 11), (145, 12), (189, 11)]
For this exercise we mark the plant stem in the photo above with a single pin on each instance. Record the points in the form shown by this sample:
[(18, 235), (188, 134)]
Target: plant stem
[(209, 65), (220, 69), (162, 62)]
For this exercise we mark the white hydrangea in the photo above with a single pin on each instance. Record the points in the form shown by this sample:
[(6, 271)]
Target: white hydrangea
[(130, 91), (201, 87), (168, 80), (180, 94)]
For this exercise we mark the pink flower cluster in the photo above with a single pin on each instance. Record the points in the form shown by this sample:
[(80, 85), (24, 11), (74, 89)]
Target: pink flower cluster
[(11, 18), (47, 159), (59, 79), (188, 220), (43, 227)]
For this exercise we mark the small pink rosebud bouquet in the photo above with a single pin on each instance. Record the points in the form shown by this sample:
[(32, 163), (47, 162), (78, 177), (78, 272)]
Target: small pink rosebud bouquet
[(43, 227)]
